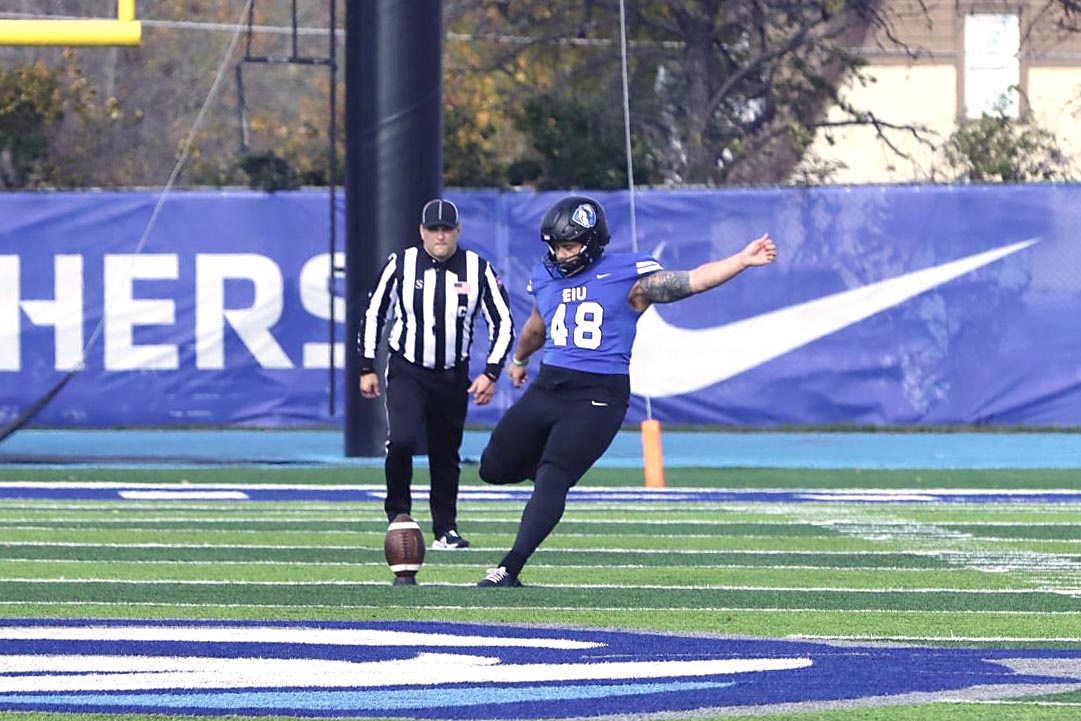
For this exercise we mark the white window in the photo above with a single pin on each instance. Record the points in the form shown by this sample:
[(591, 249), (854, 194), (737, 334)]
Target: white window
[(992, 64)]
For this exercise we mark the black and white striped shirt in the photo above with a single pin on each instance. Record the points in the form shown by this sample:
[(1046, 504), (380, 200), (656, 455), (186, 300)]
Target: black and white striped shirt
[(433, 306)]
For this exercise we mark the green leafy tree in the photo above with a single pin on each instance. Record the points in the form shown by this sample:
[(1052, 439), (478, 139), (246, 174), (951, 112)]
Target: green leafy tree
[(574, 144), (127, 112), (1000, 149), (31, 103), (51, 117), (477, 129), (267, 171), (468, 159)]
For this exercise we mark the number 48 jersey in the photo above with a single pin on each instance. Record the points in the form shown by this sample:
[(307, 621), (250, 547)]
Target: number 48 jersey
[(588, 323)]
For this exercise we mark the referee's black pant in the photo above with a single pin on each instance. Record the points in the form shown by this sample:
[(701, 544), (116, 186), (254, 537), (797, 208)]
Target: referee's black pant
[(419, 402)]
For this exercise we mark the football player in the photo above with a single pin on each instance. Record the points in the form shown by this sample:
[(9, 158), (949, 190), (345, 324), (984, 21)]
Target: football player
[(586, 305)]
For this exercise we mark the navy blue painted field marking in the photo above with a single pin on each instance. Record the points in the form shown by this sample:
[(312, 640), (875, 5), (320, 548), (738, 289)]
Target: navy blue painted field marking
[(471, 671), (355, 494)]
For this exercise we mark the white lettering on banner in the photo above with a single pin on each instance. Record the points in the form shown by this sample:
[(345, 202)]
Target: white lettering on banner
[(251, 324), (123, 312), (315, 296), (63, 313), (9, 313)]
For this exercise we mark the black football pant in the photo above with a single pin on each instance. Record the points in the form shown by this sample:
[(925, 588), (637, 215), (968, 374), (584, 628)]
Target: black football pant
[(553, 434), (421, 401)]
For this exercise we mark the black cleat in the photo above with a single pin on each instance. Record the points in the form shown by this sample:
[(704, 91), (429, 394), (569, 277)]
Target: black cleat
[(499, 577)]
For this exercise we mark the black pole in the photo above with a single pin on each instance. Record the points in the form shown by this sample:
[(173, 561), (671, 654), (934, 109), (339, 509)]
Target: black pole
[(332, 188), (393, 163)]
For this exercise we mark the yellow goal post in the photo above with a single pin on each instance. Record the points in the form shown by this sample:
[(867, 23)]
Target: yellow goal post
[(125, 30)]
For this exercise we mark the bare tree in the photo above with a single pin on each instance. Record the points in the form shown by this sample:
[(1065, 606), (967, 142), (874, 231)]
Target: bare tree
[(722, 91), (1066, 13), (142, 102)]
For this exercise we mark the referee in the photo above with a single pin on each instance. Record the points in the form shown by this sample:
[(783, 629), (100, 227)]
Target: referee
[(431, 295)]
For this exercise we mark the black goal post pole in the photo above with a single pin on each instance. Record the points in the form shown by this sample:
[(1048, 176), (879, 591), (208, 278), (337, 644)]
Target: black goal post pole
[(393, 164)]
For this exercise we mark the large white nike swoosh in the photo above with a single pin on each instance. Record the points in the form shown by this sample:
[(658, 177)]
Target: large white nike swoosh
[(68, 674), (669, 361)]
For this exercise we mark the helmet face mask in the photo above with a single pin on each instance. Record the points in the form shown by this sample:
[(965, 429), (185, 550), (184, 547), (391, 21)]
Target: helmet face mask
[(575, 219)]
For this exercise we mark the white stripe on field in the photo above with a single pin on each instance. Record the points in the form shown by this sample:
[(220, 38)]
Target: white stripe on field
[(284, 518), (413, 608), (192, 495), (631, 490), (331, 547), (380, 532), (610, 586), (1003, 702), (574, 566), (926, 639)]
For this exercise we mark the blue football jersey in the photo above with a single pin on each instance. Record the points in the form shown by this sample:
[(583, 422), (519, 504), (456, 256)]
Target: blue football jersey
[(588, 322)]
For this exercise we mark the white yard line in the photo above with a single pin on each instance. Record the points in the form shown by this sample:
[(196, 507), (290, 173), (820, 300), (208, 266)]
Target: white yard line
[(574, 566), (926, 639), (334, 547), (1051, 572), (578, 609), (577, 586), (1023, 704)]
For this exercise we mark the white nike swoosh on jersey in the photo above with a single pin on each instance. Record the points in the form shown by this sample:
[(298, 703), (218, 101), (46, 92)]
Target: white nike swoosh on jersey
[(599, 405), (602, 276), (670, 361)]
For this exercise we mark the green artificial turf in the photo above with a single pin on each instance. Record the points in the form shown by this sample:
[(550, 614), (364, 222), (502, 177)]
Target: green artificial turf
[(942, 574)]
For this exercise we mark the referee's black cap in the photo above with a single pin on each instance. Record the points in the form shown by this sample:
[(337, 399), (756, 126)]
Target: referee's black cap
[(439, 213)]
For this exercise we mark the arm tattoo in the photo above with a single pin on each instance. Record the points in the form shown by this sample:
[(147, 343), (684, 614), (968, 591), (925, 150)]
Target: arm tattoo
[(667, 286)]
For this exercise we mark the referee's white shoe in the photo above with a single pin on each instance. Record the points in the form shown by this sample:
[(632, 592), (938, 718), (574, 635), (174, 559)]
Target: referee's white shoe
[(450, 541)]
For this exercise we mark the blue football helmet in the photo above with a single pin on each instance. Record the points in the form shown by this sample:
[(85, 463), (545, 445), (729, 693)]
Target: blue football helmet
[(576, 219)]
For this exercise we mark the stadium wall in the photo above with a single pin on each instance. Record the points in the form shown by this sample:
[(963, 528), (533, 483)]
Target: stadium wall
[(889, 306)]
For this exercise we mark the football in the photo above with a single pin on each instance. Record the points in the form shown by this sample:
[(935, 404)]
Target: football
[(403, 547)]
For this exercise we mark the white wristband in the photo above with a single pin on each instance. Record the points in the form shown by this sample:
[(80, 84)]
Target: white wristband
[(519, 363)]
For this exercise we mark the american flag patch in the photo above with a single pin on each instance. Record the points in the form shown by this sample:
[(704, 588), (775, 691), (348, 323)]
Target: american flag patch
[(461, 287)]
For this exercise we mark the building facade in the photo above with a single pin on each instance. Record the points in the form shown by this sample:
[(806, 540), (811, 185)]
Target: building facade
[(956, 60)]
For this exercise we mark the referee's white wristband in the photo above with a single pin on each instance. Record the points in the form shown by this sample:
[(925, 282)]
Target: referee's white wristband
[(519, 363)]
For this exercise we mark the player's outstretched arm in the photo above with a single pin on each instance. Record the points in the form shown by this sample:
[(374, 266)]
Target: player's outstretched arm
[(668, 286)]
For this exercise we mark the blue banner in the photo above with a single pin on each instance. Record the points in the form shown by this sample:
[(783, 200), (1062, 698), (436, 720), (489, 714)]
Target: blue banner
[(886, 306)]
